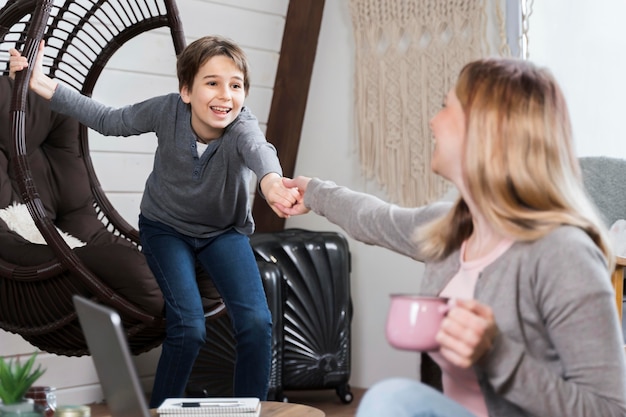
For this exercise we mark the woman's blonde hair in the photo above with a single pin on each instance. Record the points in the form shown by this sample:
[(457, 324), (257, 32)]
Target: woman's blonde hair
[(519, 163)]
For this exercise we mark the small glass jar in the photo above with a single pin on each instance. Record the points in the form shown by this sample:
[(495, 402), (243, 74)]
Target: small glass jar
[(73, 411), (45, 399)]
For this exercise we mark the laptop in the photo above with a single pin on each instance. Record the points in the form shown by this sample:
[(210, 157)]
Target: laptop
[(108, 346)]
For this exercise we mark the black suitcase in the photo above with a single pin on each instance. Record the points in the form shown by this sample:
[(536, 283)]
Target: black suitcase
[(318, 307), (212, 374)]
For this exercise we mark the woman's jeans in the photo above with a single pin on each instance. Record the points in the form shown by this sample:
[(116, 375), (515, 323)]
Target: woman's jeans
[(229, 260), (400, 397)]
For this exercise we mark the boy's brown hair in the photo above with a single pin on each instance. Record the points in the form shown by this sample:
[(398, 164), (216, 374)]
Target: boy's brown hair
[(200, 51)]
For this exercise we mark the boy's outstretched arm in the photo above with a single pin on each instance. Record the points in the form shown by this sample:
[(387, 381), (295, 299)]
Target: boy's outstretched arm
[(40, 83), (277, 195)]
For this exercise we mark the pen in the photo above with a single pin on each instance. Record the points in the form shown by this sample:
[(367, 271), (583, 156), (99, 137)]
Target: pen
[(210, 404)]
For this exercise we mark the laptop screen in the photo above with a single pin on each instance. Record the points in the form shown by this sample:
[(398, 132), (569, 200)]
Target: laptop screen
[(109, 350)]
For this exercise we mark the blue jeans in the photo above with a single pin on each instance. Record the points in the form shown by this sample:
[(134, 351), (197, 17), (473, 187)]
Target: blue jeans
[(400, 397), (229, 260)]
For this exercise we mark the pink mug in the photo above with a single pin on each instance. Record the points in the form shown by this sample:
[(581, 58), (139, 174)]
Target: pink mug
[(413, 321)]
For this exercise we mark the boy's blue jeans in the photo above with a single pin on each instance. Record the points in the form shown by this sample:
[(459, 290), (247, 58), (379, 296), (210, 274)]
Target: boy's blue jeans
[(229, 260), (399, 397)]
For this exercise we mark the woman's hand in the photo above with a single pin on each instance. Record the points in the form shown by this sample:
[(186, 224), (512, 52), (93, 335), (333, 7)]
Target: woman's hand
[(467, 332), (40, 83)]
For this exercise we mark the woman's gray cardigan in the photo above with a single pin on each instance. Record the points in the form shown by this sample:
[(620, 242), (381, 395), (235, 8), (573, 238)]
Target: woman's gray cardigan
[(560, 348)]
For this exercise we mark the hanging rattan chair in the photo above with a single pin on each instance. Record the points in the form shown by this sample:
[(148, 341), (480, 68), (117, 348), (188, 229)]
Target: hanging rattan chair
[(45, 164)]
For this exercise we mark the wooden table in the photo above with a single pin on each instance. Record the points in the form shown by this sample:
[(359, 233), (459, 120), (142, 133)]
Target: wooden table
[(278, 409), (268, 409)]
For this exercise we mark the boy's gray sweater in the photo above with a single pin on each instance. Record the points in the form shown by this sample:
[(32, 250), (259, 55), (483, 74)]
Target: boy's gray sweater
[(197, 196)]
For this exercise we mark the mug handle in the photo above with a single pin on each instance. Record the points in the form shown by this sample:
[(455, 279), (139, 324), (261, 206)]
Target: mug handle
[(443, 309)]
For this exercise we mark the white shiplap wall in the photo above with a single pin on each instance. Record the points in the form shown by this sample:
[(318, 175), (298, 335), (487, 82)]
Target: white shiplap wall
[(145, 68)]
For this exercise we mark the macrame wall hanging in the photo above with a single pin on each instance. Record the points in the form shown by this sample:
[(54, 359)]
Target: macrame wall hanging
[(526, 7), (408, 55)]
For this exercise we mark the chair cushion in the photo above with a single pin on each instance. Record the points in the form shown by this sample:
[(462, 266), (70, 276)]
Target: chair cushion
[(125, 270), (53, 156), (17, 217), (62, 183)]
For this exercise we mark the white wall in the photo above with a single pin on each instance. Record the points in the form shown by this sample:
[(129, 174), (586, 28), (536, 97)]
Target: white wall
[(583, 48), (583, 43)]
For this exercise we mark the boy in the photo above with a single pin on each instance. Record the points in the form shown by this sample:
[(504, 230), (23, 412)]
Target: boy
[(196, 205)]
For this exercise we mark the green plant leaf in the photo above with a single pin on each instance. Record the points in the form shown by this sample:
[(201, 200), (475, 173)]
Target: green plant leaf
[(16, 379)]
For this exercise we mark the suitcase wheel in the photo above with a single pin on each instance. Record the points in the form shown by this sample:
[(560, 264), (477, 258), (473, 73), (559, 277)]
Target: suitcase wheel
[(344, 393)]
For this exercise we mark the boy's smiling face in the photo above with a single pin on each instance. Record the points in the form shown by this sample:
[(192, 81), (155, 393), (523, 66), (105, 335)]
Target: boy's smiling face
[(216, 97)]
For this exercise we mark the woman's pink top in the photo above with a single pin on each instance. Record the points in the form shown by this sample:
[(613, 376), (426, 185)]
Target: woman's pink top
[(461, 384)]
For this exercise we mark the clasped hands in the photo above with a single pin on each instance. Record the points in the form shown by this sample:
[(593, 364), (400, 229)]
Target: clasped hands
[(284, 195)]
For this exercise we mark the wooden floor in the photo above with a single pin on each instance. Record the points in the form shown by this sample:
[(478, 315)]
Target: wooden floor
[(327, 401)]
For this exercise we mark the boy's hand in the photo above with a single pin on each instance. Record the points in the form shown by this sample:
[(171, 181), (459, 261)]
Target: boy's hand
[(17, 62), (277, 195), (40, 83)]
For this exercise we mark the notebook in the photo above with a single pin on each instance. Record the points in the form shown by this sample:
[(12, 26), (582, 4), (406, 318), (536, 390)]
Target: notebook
[(210, 407), (109, 350)]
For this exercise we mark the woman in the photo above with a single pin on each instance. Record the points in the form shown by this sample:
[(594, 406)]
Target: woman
[(533, 329)]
